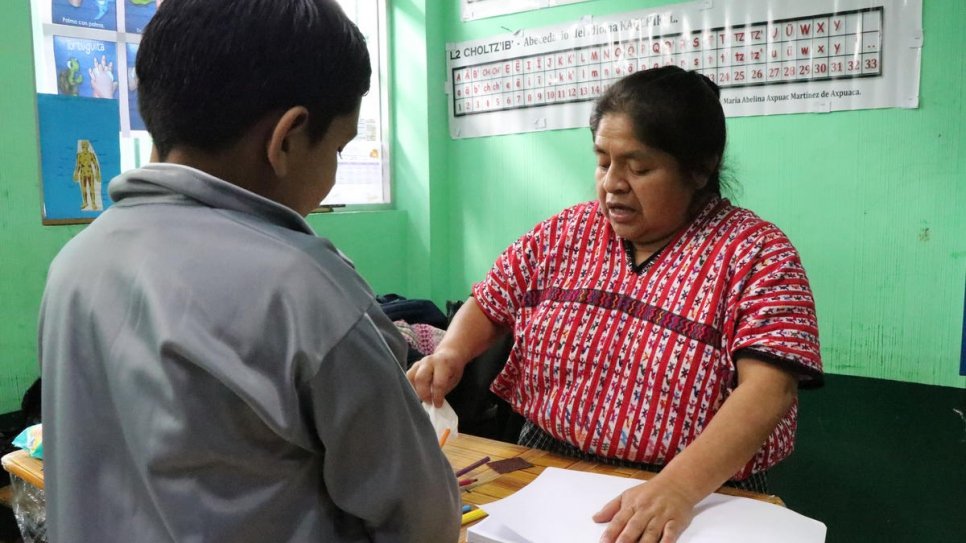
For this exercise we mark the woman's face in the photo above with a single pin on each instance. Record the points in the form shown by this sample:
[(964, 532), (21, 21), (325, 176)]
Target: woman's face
[(642, 191)]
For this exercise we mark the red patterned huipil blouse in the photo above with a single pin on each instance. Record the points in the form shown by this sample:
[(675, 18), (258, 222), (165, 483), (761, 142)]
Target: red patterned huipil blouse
[(634, 365)]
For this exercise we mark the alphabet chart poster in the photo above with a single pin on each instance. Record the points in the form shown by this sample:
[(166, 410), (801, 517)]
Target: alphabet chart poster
[(768, 57)]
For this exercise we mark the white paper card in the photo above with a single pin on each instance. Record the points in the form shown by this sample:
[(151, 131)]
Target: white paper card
[(558, 505)]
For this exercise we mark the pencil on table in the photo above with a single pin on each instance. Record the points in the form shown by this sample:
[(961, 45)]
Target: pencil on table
[(444, 437), (467, 481), (473, 466)]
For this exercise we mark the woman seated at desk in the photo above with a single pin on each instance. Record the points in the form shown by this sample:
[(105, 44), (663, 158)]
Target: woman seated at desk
[(658, 327)]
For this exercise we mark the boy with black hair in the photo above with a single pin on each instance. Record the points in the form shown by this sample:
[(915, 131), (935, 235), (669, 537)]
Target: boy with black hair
[(212, 370)]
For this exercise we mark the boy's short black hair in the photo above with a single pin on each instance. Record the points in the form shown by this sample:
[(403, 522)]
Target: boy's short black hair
[(208, 70)]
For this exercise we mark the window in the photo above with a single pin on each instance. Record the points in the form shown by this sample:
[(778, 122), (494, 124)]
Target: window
[(363, 175), (76, 38)]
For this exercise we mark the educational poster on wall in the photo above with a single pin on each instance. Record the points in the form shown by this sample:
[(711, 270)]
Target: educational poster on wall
[(768, 57), (79, 155), (100, 14), (137, 13), (78, 51), (478, 9), (85, 67), (94, 62)]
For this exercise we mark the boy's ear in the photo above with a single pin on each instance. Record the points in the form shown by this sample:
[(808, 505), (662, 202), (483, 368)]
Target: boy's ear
[(285, 137)]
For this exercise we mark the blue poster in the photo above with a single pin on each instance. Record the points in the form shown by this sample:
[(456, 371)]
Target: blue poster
[(100, 14), (85, 67), (80, 152), (137, 13), (137, 123)]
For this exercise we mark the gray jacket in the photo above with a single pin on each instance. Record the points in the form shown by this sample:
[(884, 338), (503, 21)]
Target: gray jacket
[(215, 372)]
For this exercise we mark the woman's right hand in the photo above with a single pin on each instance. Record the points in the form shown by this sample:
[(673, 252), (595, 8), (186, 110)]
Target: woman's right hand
[(469, 334), (435, 375)]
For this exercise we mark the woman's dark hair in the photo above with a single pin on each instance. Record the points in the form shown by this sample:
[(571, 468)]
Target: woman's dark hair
[(675, 111), (208, 70)]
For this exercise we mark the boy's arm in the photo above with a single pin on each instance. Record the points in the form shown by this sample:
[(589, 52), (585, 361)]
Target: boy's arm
[(382, 461)]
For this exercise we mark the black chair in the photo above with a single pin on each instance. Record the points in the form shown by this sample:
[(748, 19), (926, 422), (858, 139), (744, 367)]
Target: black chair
[(481, 412)]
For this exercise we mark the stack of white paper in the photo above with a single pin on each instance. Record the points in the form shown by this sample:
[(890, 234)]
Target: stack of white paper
[(558, 505)]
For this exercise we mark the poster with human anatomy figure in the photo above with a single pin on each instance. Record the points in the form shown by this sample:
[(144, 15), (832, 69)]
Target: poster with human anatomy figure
[(79, 155)]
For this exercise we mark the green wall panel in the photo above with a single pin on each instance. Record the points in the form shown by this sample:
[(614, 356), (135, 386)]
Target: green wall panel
[(26, 247), (374, 241), (409, 128)]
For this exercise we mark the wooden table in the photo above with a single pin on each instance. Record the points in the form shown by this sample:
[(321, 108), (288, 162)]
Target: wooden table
[(29, 501), (490, 486), (28, 468), (462, 451)]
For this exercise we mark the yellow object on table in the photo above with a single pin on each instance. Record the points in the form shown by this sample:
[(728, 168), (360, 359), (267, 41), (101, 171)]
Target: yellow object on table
[(473, 515)]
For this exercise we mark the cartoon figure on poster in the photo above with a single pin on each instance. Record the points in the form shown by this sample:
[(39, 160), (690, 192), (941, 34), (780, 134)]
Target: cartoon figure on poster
[(137, 13), (87, 174), (79, 154), (134, 113), (101, 14), (85, 67), (69, 78)]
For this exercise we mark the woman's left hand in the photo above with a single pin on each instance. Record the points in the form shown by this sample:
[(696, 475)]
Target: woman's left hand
[(654, 512)]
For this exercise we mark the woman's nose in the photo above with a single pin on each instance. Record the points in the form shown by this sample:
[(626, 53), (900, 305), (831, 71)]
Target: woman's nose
[(613, 181)]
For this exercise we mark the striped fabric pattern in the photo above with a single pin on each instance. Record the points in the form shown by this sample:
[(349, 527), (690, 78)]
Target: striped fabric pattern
[(634, 366)]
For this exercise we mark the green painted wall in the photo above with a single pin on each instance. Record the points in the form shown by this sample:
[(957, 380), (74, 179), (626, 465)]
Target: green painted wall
[(26, 247), (374, 241), (420, 180), (874, 200)]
